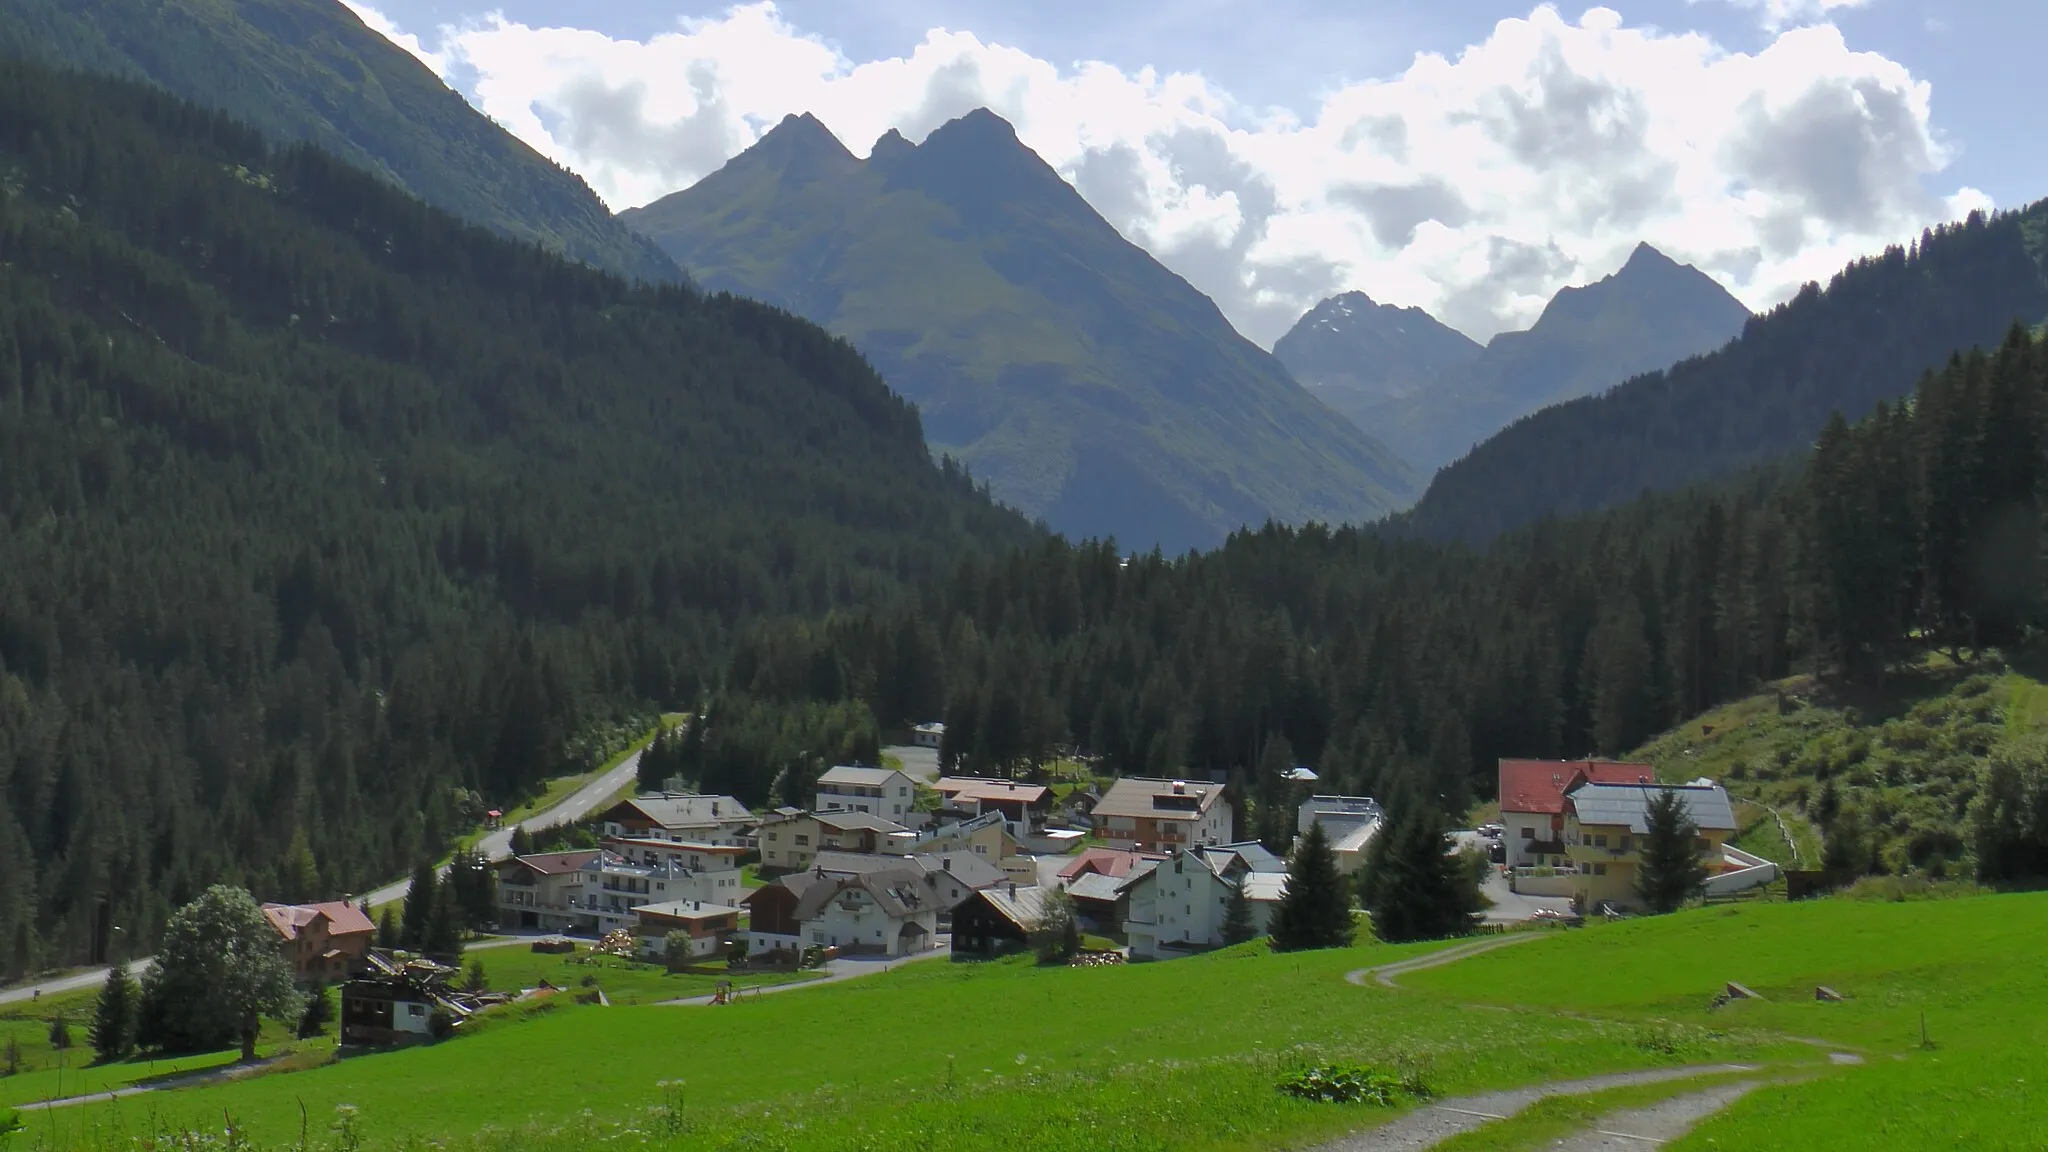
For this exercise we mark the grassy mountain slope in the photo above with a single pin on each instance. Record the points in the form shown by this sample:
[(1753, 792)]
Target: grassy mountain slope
[(1905, 761), (1091, 386), (1358, 355), (1879, 325), (328, 518), (309, 70)]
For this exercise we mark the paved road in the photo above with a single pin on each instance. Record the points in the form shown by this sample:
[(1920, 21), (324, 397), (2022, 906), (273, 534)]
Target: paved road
[(1508, 906), (497, 846), (844, 968), (921, 764)]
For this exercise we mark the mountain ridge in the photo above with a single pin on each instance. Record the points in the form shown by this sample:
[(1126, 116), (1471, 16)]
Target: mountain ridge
[(1089, 384), (1650, 313), (312, 71)]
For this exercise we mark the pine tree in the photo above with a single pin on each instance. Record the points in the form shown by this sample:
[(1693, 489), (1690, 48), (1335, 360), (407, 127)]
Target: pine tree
[(319, 1012), (420, 901), (389, 935), (1237, 918), (112, 1030), (1673, 867), (442, 941), (1055, 935), (1315, 911), (1413, 889)]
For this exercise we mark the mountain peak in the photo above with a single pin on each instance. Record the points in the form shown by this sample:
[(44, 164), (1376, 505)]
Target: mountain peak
[(978, 126), (890, 145), (1645, 258), (800, 133)]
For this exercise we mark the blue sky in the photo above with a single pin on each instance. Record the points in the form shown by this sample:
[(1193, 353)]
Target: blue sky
[(1813, 130)]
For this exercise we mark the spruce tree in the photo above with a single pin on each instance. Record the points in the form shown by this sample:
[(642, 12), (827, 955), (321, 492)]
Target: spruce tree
[(443, 939), (420, 899), (389, 935), (1315, 911), (1673, 868), (112, 1030), (1237, 918), (1413, 889)]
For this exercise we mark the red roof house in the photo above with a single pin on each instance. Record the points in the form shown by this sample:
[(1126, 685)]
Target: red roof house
[(1532, 801), (322, 941)]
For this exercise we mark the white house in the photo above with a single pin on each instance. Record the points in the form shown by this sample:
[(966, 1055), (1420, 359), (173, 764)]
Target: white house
[(882, 792), (928, 735), (707, 926), (1178, 905), (1155, 815), (1532, 803), (683, 816), (893, 912)]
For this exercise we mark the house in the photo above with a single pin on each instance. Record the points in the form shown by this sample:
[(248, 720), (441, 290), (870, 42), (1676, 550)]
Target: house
[(928, 735), (544, 891), (1100, 902), (883, 792), (708, 926), (1155, 815), (998, 920), (953, 877), (1349, 822), (893, 912), (388, 1008), (1178, 905), (1024, 806), (683, 816), (771, 914), (987, 836), (323, 942), (1532, 803), (790, 843), (1606, 824), (684, 871)]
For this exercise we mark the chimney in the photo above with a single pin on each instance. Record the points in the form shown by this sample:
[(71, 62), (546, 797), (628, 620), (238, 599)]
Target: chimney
[(1180, 787), (1013, 887)]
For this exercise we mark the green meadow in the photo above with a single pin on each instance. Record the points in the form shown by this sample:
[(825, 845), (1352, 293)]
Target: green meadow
[(1186, 1054)]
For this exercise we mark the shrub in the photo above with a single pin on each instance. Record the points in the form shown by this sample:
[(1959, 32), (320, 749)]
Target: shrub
[(1352, 1084)]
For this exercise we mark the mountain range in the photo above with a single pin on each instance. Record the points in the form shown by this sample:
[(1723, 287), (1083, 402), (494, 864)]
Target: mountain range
[(1090, 386), (1408, 379), (309, 70)]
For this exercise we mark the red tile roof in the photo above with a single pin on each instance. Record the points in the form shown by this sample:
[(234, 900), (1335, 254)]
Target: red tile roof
[(1106, 862), (1539, 785), (343, 918)]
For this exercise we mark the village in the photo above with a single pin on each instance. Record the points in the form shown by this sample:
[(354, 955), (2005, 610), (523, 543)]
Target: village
[(1150, 869)]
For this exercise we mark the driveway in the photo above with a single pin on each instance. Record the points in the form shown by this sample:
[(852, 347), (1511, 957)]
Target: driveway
[(1508, 907), (496, 846), (844, 968)]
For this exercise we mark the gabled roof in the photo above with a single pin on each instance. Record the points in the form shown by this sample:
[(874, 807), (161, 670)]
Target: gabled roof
[(1137, 797), (970, 789), (676, 846), (850, 774), (343, 918), (969, 869), (898, 891), (680, 810), (1629, 804), (1538, 786), (686, 910), (557, 863), (850, 821), (1254, 856), (853, 863), (1106, 861), (1020, 906), (1096, 886)]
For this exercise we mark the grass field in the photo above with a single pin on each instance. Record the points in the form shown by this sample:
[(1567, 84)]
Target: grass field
[(1185, 1054), (624, 982)]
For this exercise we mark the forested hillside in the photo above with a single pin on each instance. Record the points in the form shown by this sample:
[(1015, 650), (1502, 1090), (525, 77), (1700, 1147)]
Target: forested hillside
[(321, 508), (1867, 337), (309, 70), (1397, 666)]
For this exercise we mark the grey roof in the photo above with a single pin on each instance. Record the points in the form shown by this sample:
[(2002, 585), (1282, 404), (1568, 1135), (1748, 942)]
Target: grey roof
[(854, 863), (899, 891), (850, 821), (1096, 886), (686, 909), (1139, 871), (1264, 887), (681, 810), (1629, 804), (1021, 906), (969, 869), (1255, 856), (848, 774)]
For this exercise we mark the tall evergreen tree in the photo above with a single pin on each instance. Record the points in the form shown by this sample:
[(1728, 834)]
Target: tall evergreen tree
[(442, 941), (1315, 910), (421, 897), (1413, 888), (112, 1030), (1672, 867), (1237, 917)]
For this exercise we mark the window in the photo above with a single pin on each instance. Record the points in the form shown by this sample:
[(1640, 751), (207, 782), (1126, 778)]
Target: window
[(803, 841), (415, 1009), (1599, 869), (1528, 833), (1623, 843), (1600, 840)]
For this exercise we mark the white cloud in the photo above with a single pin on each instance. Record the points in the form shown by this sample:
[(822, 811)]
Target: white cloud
[(1777, 14), (1474, 186)]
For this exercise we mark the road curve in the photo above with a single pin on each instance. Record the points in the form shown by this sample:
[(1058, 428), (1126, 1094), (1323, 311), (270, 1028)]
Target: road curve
[(1384, 974), (496, 846)]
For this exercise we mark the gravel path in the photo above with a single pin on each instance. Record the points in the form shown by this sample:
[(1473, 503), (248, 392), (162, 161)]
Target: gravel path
[(1447, 1118), (1385, 973), (1657, 1123)]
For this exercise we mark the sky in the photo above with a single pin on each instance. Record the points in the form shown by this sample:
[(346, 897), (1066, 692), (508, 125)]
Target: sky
[(1469, 157)]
